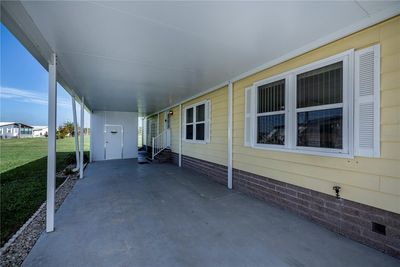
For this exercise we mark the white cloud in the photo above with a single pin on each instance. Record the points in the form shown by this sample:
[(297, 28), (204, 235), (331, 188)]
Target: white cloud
[(26, 96)]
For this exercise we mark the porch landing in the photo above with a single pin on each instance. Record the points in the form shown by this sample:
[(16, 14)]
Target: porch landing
[(128, 214)]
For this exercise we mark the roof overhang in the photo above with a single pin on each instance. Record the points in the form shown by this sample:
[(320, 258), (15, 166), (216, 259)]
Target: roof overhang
[(149, 56)]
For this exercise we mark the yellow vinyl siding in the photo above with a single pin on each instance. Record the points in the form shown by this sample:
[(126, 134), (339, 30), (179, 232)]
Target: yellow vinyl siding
[(372, 181), (174, 125), (216, 150), (161, 123)]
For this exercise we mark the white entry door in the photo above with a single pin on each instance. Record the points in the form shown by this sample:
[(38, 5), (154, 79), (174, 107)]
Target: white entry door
[(113, 142)]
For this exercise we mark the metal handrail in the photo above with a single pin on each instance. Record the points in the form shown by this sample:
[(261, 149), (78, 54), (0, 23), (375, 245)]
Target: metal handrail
[(158, 144)]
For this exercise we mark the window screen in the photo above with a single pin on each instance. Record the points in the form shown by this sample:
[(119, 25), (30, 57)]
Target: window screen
[(322, 86), (271, 113), (319, 125), (271, 97), (321, 128)]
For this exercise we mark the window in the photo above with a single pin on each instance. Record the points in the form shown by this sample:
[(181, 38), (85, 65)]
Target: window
[(197, 122), (271, 113), (307, 109), (319, 108)]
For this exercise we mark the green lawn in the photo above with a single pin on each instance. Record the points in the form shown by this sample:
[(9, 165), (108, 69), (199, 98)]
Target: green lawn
[(23, 168)]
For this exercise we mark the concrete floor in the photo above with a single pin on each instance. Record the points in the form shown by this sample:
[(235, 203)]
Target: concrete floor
[(128, 214)]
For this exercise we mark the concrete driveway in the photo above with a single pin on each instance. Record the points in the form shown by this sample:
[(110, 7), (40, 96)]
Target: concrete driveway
[(128, 214)]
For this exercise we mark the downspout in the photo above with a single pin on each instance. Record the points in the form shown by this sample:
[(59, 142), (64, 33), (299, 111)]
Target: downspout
[(230, 97)]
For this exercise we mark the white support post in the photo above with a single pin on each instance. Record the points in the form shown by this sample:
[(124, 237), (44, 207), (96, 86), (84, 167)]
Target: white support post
[(180, 135), (230, 97), (142, 132), (91, 143), (76, 132), (82, 136), (51, 153)]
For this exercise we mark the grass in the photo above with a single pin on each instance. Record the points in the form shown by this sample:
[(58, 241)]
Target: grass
[(23, 171)]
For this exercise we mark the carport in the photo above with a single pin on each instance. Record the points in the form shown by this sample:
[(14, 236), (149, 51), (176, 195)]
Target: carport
[(124, 60), (129, 214)]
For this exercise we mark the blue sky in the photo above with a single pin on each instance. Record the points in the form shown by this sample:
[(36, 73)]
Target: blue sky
[(24, 86)]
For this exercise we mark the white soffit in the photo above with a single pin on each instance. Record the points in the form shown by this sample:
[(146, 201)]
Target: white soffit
[(145, 56)]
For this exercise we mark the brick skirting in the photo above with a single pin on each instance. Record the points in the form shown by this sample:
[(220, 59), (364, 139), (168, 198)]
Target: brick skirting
[(216, 172), (371, 226)]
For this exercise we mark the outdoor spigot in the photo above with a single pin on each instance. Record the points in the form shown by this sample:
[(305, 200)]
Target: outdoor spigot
[(337, 191)]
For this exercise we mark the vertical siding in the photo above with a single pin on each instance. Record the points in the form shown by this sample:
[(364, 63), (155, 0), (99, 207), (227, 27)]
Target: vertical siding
[(374, 182)]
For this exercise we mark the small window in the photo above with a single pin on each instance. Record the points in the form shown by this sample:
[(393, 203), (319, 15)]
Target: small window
[(196, 122), (271, 113)]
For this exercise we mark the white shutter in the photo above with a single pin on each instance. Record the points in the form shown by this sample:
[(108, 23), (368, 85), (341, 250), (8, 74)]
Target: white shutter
[(248, 118), (367, 102), (207, 133)]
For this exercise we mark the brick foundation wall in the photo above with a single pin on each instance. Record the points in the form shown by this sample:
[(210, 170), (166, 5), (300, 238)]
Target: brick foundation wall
[(216, 172), (351, 219), (175, 158)]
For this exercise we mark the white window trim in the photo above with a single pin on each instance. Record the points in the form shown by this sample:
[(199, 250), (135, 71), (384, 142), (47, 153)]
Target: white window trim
[(291, 112), (206, 121)]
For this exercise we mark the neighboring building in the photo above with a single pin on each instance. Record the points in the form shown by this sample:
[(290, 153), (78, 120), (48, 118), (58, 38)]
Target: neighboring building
[(40, 131), (15, 130)]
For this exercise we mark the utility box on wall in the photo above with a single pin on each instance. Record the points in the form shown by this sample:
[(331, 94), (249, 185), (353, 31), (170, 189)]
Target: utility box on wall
[(114, 135)]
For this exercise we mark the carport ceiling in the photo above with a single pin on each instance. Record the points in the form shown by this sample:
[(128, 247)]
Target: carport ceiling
[(145, 56)]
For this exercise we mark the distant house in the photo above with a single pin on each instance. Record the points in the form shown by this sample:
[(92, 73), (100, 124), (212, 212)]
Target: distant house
[(15, 130), (40, 131)]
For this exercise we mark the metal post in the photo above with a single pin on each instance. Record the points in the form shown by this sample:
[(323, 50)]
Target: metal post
[(91, 143), (75, 132), (51, 153), (82, 136), (180, 135), (230, 92), (142, 132)]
